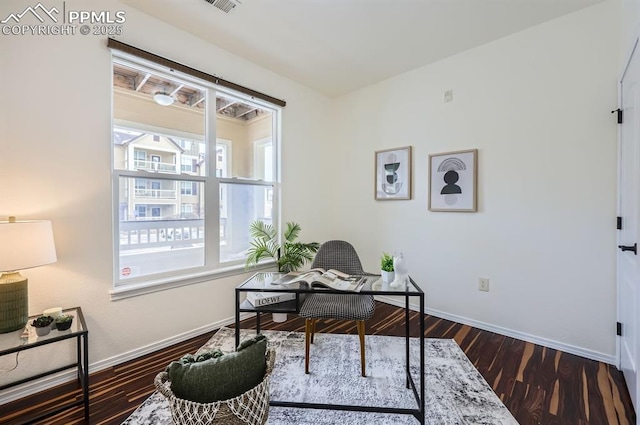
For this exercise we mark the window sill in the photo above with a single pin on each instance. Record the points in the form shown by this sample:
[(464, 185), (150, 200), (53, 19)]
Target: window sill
[(147, 287)]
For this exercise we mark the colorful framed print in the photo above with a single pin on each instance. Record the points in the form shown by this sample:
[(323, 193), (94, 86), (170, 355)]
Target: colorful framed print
[(393, 174), (453, 180)]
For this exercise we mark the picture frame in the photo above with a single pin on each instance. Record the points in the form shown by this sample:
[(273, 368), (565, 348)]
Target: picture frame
[(453, 181), (392, 179)]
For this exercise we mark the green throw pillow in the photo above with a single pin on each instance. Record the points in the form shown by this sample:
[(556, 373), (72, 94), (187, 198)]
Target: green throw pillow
[(215, 376)]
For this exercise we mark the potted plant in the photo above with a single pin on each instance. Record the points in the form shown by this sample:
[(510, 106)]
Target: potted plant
[(42, 325), (63, 322), (289, 256), (386, 267)]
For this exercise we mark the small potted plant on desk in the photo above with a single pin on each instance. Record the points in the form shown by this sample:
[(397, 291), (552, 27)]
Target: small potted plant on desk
[(386, 266), (42, 325), (63, 322)]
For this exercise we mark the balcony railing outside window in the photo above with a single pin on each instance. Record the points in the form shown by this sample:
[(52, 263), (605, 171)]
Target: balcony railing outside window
[(155, 193), (164, 167), (141, 234)]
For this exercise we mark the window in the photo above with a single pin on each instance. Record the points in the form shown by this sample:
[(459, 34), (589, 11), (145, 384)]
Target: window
[(176, 221), (140, 159), (188, 164), (188, 188), (141, 211)]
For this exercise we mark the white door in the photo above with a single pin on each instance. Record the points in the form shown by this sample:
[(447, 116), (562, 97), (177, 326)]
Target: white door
[(628, 198)]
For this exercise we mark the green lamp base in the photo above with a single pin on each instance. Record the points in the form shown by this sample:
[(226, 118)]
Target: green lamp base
[(14, 302)]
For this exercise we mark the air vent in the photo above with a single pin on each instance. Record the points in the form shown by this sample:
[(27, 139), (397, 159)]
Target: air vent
[(225, 5)]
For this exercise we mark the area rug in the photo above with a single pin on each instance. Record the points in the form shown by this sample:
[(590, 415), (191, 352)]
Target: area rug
[(456, 393)]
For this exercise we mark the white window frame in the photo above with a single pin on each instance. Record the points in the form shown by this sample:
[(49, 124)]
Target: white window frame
[(259, 157), (210, 185)]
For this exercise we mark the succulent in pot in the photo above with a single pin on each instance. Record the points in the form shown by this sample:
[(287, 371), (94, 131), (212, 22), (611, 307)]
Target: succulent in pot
[(63, 322), (42, 325)]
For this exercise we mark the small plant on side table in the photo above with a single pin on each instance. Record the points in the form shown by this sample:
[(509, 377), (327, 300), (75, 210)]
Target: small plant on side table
[(386, 267), (42, 325), (386, 262), (63, 322)]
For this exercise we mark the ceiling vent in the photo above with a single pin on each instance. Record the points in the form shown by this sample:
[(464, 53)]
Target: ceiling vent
[(225, 5)]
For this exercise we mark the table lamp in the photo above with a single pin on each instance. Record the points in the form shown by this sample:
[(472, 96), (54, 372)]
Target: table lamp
[(23, 245)]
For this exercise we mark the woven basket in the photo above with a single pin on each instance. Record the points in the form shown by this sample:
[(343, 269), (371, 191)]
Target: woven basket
[(249, 408)]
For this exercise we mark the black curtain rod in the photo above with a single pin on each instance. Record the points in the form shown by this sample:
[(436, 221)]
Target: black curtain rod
[(118, 45)]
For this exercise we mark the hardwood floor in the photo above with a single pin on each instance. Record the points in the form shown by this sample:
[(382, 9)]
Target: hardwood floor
[(540, 386)]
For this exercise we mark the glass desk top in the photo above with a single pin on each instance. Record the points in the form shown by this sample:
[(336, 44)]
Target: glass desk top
[(267, 282)]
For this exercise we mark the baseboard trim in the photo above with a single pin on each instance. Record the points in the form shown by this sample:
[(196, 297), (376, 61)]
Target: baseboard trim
[(545, 342), (30, 388)]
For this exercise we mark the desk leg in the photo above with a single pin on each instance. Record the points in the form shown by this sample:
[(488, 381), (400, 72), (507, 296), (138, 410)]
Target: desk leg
[(422, 359), (406, 333), (237, 318)]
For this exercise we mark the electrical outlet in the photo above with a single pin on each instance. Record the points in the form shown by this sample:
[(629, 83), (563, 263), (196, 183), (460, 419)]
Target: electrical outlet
[(448, 96), (483, 284)]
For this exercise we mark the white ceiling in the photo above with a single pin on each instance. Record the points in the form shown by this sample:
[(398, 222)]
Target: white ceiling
[(337, 46)]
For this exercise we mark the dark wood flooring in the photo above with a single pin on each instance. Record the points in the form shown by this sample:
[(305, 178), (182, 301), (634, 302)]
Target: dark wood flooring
[(540, 386)]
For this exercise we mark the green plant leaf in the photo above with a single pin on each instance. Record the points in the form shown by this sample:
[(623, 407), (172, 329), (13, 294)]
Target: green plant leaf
[(292, 231), (289, 257), (261, 230), (386, 262)]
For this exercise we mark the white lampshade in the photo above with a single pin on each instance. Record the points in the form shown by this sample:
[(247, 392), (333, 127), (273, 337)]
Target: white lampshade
[(26, 244), (163, 99), (23, 244)]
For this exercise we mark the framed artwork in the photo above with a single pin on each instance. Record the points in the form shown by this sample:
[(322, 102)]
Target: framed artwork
[(393, 174), (453, 180)]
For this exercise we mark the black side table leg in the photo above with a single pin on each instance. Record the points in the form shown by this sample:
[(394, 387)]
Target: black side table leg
[(237, 318), (83, 371)]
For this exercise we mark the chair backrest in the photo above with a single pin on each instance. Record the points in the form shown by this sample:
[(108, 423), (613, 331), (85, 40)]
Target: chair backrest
[(339, 255)]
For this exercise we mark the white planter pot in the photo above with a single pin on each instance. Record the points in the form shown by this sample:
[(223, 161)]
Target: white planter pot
[(279, 317), (387, 277)]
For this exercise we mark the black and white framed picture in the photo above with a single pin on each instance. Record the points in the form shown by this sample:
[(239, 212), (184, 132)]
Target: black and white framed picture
[(453, 181), (393, 174)]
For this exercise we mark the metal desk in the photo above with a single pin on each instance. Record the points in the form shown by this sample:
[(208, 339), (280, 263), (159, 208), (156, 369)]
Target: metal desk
[(263, 282)]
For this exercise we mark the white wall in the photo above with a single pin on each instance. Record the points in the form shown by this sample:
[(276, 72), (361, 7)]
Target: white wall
[(537, 107), (630, 25), (55, 164)]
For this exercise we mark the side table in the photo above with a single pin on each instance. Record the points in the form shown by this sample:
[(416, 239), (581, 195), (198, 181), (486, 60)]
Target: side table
[(15, 342)]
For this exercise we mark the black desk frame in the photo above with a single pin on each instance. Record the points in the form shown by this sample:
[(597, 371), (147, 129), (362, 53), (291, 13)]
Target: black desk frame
[(293, 307), (81, 364)]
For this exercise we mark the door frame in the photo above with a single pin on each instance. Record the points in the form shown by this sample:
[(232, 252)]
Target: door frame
[(634, 187), (627, 59)]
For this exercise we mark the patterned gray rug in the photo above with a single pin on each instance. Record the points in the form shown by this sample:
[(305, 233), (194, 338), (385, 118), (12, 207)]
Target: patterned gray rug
[(456, 393)]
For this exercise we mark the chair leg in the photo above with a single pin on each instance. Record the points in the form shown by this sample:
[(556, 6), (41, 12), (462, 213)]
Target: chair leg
[(361, 331), (308, 324), (313, 328)]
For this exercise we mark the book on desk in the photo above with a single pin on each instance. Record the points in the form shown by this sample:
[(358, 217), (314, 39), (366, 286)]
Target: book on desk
[(260, 299), (319, 278)]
